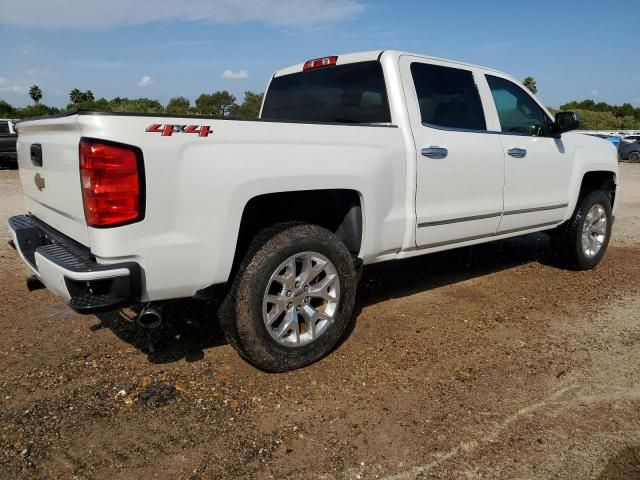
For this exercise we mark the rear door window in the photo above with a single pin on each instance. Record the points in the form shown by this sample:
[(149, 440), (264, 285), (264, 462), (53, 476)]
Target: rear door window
[(448, 97), (351, 93)]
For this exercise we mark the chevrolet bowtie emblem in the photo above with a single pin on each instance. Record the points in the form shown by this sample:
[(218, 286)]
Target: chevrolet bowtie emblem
[(39, 181)]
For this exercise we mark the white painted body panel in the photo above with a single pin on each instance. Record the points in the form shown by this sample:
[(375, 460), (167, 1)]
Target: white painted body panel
[(60, 202), (197, 187), (449, 188)]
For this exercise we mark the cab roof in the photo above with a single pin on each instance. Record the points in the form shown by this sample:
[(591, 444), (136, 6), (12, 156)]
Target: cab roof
[(376, 55)]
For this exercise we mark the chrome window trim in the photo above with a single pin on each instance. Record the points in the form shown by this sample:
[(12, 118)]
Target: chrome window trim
[(488, 132)]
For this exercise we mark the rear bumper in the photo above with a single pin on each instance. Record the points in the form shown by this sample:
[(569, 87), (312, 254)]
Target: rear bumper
[(70, 271), (10, 156)]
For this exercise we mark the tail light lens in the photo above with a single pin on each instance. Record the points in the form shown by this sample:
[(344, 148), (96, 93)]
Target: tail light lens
[(112, 182)]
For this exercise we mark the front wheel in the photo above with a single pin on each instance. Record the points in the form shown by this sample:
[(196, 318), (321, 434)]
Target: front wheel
[(583, 239), (292, 298), (634, 157)]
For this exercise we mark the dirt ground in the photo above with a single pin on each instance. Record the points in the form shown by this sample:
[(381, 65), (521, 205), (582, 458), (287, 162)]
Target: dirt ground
[(481, 363)]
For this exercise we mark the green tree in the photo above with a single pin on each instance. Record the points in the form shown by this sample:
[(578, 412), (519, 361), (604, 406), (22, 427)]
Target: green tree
[(102, 105), (35, 93), (530, 83), (250, 108), (75, 96), (178, 106), (6, 110), (136, 105), (624, 110), (602, 116), (37, 110), (217, 104), (81, 100)]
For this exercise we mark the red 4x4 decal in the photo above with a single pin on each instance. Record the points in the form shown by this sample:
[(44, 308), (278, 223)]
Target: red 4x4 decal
[(169, 129)]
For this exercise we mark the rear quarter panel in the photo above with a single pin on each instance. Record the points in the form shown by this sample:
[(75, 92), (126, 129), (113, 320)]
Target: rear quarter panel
[(197, 188)]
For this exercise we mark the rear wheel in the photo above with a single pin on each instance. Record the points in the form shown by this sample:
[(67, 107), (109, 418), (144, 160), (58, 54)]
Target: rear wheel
[(292, 298), (583, 239), (634, 156)]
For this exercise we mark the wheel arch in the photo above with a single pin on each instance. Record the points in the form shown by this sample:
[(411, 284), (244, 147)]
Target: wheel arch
[(339, 210), (605, 180)]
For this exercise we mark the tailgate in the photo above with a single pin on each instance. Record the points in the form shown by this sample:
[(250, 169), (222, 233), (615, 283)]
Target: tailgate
[(52, 189)]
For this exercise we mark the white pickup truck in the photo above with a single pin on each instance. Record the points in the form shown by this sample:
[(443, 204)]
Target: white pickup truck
[(356, 159)]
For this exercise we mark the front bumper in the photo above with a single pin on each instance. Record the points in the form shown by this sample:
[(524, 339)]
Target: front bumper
[(70, 271)]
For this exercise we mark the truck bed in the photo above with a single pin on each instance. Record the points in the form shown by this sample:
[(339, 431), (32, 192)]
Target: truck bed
[(196, 186)]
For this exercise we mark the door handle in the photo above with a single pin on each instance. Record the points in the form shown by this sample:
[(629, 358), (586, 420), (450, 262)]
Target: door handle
[(435, 152), (517, 152)]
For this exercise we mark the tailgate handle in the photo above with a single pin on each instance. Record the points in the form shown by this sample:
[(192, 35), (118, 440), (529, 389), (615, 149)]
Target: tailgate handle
[(36, 154)]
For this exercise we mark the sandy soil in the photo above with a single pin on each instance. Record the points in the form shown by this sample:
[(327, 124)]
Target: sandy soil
[(487, 362)]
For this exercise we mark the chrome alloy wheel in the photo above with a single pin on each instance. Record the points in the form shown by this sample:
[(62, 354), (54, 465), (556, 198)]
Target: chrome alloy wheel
[(634, 157), (301, 299), (594, 230)]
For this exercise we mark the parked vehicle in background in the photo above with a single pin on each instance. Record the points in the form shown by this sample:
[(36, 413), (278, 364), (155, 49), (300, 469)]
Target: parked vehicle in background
[(614, 139), (630, 139), (8, 139), (630, 151), (356, 159)]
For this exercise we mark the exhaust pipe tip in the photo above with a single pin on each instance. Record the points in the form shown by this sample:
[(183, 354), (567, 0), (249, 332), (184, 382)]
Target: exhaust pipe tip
[(150, 317), (33, 284)]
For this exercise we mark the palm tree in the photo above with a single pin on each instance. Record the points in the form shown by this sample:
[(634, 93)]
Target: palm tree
[(75, 96), (35, 93), (88, 96), (530, 83)]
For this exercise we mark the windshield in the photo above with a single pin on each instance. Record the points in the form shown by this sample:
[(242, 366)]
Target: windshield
[(352, 93)]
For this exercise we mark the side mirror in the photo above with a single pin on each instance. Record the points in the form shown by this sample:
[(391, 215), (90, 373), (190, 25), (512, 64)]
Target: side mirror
[(566, 121)]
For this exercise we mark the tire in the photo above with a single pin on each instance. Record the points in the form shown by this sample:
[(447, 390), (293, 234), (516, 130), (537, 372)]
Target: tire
[(634, 157), (265, 273), (575, 254)]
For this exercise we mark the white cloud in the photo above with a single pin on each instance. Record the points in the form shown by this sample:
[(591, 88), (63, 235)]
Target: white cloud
[(493, 48), (35, 72), (96, 64), (12, 86), (231, 75), (26, 49), (145, 81), (72, 14)]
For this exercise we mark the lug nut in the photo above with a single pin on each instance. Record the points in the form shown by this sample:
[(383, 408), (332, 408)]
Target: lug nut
[(289, 293), (297, 284), (289, 305), (306, 299), (306, 288)]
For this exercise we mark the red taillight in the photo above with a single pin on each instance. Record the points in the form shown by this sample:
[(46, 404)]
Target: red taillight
[(320, 62), (111, 183)]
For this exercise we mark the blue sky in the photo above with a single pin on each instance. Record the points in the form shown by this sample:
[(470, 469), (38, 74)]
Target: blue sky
[(166, 48)]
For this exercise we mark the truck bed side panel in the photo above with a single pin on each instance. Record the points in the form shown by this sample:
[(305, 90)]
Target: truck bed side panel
[(197, 188)]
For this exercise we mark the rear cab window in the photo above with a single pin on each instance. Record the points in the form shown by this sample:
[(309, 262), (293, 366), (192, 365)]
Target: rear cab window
[(353, 93), (448, 97)]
